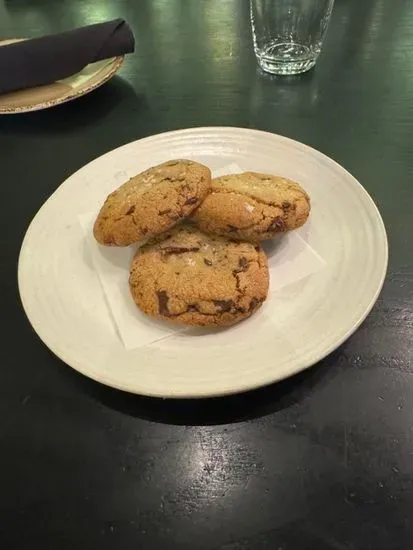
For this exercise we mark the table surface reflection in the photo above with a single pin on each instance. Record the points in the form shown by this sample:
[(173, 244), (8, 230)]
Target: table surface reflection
[(321, 461)]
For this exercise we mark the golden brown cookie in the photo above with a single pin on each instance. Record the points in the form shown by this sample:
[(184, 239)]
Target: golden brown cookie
[(252, 207), (152, 202), (196, 279)]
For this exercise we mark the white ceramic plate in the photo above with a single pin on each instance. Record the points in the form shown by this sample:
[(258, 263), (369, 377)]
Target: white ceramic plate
[(62, 91), (299, 325)]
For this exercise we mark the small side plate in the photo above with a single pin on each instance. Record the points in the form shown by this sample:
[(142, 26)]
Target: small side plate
[(50, 95)]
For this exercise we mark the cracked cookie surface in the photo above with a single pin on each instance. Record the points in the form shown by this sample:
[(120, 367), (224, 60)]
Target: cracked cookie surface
[(152, 202), (252, 206), (196, 279)]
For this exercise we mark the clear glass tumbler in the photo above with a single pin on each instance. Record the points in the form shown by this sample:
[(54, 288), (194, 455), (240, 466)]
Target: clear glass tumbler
[(288, 34)]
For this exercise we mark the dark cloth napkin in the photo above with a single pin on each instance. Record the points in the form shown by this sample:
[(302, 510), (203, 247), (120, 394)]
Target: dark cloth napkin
[(49, 58)]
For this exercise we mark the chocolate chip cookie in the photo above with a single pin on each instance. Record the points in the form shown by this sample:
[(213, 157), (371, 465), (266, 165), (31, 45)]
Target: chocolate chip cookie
[(252, 206), (195, 279), (152, 202)]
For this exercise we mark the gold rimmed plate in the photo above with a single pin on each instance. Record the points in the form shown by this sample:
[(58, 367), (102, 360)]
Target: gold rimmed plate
[(61, 91)]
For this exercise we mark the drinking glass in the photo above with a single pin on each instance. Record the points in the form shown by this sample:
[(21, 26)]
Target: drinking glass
[(288, 34)]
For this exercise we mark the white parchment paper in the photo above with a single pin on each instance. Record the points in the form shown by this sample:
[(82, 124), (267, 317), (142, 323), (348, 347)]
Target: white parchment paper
[(290, 258)]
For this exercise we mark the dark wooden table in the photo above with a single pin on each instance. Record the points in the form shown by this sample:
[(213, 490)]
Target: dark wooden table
[(321, 461)]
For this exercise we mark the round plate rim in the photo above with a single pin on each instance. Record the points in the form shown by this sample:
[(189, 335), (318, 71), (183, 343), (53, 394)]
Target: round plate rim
[(240, 388)]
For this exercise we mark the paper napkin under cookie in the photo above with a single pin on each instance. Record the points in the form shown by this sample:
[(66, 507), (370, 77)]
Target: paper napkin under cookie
[(39, 61), (290, 259)]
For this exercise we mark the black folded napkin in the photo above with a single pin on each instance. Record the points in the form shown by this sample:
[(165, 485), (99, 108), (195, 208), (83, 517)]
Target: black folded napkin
[(46, 59)]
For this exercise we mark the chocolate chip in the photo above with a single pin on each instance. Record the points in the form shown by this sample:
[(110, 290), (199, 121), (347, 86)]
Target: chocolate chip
[(192, 200), (130, 211), (286, 205), (192, 307), (243, 262), (223, 305), (144, 230), (207, 262), (277, 224), (242, 265), (254, 303), (163, 212), (163, 300), (168, 251)]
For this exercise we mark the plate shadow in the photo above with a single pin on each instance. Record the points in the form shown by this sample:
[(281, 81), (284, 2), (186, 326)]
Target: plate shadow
[(213, 411)]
